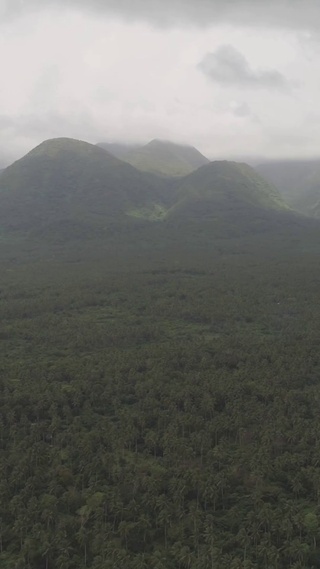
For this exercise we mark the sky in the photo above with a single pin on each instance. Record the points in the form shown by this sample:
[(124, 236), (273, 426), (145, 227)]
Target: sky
[(235, 78)]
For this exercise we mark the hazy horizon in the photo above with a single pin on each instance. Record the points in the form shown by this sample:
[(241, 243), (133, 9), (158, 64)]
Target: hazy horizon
[(252, 160)]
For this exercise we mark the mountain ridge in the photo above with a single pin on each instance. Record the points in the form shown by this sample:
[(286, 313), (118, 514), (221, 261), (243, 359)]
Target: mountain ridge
[(72, 187), (161, 157)]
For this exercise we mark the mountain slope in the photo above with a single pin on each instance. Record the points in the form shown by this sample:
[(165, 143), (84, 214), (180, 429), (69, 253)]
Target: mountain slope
[(297, 180), (224, 184), (228, 195), (69, 181), (166, 158), (66, 189)]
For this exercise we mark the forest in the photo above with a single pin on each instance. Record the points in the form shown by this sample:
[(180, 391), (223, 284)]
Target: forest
[(159, 284), (160, 403)]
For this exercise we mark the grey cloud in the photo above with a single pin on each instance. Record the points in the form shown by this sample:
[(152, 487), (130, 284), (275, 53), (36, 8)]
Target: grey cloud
[(229, 67), (22, 132), (280, 13), (5, 123), (241, 110), (30, 125)]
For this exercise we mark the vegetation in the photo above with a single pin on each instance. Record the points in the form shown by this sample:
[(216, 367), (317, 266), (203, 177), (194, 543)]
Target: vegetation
[(159, 392), (165, 416), (68, 186), (165, 158), (66, 189), (224, 187), (298, 182)]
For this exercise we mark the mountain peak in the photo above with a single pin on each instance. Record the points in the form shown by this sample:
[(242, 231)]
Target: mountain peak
[(166, 158), (64, 180), (82, 188), (225, 188), (164, 142), (54, 146)]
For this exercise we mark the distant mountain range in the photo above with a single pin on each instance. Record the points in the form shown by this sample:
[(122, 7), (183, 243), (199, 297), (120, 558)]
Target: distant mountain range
[(75, 189), (159, 157), (298, 181)]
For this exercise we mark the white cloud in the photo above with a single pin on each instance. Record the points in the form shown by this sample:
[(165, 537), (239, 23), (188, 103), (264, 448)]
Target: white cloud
[(67, 73)]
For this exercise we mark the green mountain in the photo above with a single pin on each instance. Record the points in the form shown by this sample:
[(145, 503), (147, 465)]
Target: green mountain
[(72, 183), (225, 190), (65, 189), (166, 158), (297, 180)]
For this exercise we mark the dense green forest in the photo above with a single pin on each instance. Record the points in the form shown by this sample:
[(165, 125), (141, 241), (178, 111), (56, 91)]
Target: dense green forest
[(160, 402)]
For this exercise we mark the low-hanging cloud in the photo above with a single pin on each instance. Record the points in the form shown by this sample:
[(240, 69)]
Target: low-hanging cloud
[(280, 13), (228, 66)]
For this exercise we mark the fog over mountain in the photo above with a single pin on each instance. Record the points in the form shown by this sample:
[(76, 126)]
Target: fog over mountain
[(230, 78), (160, 157), (298, 181)]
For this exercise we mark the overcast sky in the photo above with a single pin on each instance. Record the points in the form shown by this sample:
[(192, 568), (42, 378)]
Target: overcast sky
[(231, 77)]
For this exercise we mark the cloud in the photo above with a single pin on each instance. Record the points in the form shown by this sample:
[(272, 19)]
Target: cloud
[(91, 76), (228, 66), (302, 14), (23, 132), (241, 110)]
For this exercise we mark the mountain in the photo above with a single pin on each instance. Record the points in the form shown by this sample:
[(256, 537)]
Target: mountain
[(297, 180), (70, 182), (166, 158), (117, 149), (228, 198), (224, 186), (65, 189)]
